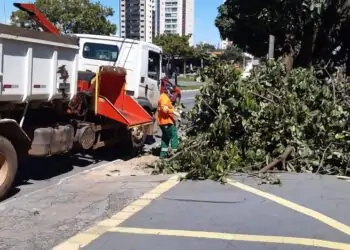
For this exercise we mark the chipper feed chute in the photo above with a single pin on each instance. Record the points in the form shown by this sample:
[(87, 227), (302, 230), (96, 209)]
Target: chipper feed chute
[(112, 102)]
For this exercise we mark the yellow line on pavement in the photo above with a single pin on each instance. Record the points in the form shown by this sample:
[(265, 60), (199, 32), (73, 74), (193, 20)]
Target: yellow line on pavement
[(84, 238), (234, 237), (296, 207)]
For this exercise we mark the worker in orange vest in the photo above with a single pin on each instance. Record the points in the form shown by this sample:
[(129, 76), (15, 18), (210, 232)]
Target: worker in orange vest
[(166, 120)]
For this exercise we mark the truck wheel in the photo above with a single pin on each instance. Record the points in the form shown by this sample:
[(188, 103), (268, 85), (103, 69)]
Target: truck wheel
[(8, 166)]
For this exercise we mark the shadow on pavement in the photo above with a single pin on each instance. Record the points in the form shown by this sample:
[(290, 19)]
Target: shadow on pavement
[(34, 169)]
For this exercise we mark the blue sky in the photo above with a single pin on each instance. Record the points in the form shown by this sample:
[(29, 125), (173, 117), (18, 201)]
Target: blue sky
[(205, 14)]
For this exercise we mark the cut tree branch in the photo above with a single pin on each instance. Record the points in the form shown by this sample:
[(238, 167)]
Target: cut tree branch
[(282, 158), (323, 156), (273, 94), (263, 97), (179, 153)]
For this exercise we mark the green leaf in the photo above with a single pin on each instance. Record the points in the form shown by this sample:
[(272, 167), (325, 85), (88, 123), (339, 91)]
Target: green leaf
[(83, 16)]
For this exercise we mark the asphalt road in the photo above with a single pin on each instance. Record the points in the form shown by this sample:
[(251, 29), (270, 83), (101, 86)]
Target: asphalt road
[(39, 173), (188, 98), (239, 215)]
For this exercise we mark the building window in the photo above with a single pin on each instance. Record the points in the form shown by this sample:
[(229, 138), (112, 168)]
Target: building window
[(153, 65), (103, 52)]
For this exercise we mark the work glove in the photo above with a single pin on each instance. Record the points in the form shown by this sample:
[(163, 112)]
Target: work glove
[(178, 117), (177, 114), (165, 108)]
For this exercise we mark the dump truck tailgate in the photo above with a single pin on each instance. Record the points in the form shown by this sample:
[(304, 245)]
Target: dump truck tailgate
[(36, 65)]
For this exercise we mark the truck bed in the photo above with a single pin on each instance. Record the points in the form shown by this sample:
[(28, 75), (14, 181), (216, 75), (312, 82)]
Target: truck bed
[(36, 65), (20, 32)]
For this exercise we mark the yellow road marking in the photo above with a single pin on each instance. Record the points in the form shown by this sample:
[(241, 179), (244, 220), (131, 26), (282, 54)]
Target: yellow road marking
[(111, 224), (296, 207), (84, 238), (234, 237)]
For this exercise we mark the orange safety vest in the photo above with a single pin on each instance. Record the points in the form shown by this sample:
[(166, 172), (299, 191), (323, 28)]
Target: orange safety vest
[(163, 117)]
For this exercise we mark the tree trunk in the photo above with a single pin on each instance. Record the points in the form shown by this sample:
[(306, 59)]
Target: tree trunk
[(305, 55), (184, 66), (172, 65), (168, 69), (288, 57), (348, 63)]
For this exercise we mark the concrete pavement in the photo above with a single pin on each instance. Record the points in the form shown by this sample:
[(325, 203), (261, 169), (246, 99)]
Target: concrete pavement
[(207, 215), (45, 217)]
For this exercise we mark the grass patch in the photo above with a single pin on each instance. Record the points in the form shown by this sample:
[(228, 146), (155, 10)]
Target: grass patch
[(186, 79)]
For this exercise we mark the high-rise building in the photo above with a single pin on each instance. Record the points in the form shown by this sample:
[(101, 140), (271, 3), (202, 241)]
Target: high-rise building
[(154, 21), (136, 19), (176, 17)]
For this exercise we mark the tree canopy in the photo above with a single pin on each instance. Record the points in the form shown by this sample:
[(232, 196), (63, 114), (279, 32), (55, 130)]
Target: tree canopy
[(205, 47), (174, 45), (307, 30), (232, 53), (71, 16)]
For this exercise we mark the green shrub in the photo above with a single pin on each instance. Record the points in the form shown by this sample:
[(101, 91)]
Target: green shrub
[(243, 124)]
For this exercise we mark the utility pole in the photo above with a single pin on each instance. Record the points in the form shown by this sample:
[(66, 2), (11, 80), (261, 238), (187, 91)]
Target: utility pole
[(271, 47)]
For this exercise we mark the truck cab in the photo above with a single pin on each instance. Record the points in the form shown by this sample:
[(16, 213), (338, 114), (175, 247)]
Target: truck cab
[(141, 60)]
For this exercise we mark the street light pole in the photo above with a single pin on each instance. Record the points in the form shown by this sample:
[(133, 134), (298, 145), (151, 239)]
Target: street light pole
[(271, 46)]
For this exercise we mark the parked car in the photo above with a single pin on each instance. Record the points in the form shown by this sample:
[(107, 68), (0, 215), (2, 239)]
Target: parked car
[(175, 90)]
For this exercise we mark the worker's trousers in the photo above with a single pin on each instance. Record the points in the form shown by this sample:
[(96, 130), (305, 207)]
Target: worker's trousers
[(169, 136)]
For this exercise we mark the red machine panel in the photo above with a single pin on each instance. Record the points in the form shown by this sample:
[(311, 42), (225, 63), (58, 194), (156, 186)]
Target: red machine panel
[(113, 103)]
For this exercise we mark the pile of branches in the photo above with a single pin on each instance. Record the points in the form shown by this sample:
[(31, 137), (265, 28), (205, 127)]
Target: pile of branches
[(292, 121)]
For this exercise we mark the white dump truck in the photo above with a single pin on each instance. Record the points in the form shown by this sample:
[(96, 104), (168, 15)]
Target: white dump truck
[(64, 93)]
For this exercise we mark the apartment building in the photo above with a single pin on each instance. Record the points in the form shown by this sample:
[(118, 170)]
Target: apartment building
[(176, 17), (136, 19)]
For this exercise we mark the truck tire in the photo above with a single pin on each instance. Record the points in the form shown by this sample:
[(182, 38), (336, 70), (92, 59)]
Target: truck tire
[(8, 166)]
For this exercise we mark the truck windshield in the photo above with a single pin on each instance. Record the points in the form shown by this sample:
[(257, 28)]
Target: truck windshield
[(98, 51)]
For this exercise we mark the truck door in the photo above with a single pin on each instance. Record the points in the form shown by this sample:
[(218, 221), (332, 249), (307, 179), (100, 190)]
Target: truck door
[(153, 77)]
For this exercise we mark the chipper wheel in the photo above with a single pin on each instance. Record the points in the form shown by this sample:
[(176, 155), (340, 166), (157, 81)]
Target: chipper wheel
[(138, 136), (8, 166), (133, 140)]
